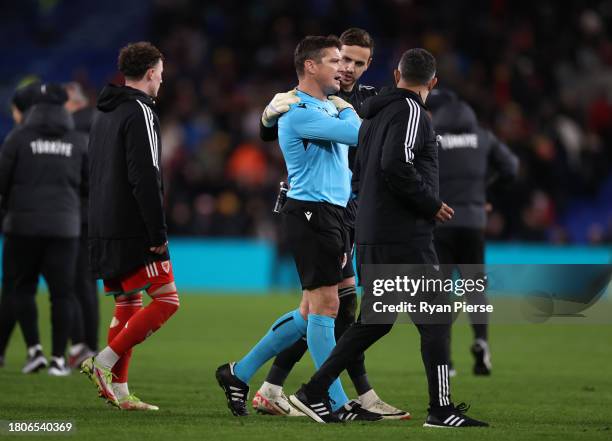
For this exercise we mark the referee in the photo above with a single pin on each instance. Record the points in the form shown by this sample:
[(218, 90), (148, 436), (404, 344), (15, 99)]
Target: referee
[(397, 171), (356, 53), (43, 172), (314, 136)]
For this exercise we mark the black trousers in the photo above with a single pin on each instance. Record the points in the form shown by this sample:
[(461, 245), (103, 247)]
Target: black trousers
[(462, 249), (29, 257), (359, 337), (86, 318), (8, 318)]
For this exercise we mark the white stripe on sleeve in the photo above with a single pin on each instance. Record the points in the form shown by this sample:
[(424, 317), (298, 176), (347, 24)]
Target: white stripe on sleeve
[(150, 132), (411, 129)]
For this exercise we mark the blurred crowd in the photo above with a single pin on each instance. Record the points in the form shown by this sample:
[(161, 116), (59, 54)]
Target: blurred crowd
[(538, 74)]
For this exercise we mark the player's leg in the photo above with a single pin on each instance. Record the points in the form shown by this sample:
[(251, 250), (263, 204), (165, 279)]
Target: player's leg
[(312, 397), (270, 398), (471, 259), (233, 378), (26, 254), (58, 269), (158, 280)]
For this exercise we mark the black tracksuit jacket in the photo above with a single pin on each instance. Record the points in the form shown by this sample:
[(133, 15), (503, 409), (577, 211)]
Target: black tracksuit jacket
[(470, 158), (43, 174), (396, 171), (126, 215)]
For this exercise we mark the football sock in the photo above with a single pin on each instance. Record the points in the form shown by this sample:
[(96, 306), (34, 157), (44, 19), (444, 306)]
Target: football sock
[(107, 358), (284, 332), (125, 308), (277, 375), (33, 349), (121, 390), (272, 389), (368, 399), (145, 322), (321, 342)]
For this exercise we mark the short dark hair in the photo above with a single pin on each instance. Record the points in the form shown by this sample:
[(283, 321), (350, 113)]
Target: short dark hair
[(311, 48), (136, 58), (358, 37), (417, 66)]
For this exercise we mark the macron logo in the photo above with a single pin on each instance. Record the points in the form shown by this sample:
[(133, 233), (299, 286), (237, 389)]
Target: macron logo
[(308, 215)]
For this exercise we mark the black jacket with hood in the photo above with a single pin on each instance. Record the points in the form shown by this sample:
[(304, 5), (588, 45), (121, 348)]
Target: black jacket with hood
[(470, 158), (396, 171), (43, 173), (126, 215)]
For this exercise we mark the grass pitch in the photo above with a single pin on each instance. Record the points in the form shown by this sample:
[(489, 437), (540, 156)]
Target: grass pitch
[(549, 382)]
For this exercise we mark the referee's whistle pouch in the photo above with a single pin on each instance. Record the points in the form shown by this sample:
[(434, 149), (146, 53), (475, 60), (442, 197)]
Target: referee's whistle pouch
[(281, 198)]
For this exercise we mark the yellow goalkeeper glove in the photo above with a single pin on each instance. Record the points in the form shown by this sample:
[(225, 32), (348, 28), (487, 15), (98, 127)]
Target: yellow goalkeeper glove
[(279, 105)]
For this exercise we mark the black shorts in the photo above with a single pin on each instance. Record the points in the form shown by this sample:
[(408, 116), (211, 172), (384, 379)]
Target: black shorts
[(318, 241), (350, 214)]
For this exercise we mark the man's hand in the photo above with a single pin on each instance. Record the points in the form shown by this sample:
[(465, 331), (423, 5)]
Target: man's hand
[(339, 103), (445, 213), (160, 249), (279, 105)]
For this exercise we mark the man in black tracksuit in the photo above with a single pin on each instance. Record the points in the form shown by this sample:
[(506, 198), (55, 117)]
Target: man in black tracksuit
[(397, 176), (23, 99), (357, 50), (470, 158), (43, 173), (86, 320)]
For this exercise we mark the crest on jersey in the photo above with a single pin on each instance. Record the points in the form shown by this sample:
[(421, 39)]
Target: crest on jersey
[(166, 266)]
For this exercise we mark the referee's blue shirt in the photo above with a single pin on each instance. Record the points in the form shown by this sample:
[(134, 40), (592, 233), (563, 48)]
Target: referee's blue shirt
[(315, 139)]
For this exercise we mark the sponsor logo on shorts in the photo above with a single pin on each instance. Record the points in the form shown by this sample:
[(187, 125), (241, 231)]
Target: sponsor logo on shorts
[(308, 215), (344, 260)]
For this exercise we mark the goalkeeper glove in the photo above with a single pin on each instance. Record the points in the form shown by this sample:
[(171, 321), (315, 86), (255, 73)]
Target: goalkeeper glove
[(279, 105), (339, 103)]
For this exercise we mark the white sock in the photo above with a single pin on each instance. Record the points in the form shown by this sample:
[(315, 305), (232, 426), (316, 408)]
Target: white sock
[(368, 399), (75, 349), (32, 349), (121, 390), (107, 358), (274, 389), (61, 362)]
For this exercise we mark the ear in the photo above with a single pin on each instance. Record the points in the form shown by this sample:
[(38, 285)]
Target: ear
[(150, 74), (309, 66), (368, 64), (433, 83), (396, 76)]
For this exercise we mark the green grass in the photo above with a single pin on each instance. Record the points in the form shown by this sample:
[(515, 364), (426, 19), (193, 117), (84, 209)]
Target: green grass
[(549, 382)]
